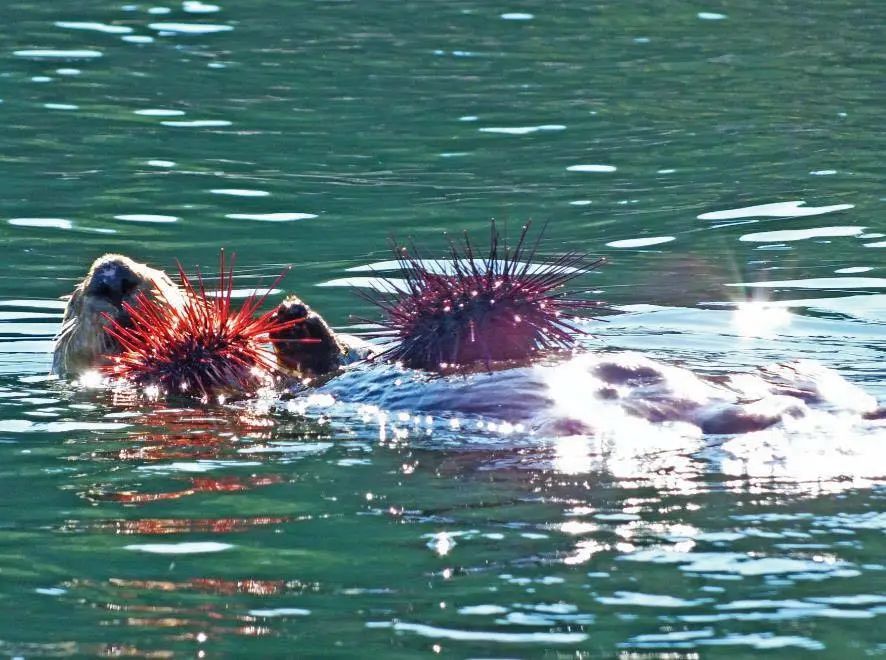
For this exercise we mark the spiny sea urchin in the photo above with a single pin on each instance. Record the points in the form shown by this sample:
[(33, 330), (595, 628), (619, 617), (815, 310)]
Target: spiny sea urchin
[(202, 347), (466, 310)]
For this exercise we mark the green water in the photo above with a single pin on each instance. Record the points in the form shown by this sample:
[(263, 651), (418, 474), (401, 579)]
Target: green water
[(137, 530)]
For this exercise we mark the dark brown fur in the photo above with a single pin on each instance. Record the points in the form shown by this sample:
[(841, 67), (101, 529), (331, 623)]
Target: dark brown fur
[(307, 349)]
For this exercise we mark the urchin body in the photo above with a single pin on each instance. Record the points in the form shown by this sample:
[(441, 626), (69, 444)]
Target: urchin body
[(205, 347), (499, 308)]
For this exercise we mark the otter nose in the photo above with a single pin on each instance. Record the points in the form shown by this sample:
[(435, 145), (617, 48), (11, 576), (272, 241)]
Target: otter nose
[(111, 282), (289, 311)]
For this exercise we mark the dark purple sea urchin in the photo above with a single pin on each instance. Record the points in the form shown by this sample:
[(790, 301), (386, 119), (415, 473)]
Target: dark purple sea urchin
[(467, 310)]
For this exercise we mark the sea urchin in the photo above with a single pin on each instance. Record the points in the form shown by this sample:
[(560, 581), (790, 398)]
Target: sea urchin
[(202, 347), (466, 310)]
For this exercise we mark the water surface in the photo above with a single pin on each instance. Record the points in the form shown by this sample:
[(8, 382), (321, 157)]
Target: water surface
[(715, 154)]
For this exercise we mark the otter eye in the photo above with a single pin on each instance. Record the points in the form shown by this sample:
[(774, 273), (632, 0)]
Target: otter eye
[(128, 286)]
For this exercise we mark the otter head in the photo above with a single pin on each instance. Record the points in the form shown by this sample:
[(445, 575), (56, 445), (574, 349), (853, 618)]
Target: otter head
[(309, 348), (112, 282)]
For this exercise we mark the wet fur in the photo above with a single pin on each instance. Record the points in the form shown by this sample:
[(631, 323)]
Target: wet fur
[(308, 349), (82, 343)]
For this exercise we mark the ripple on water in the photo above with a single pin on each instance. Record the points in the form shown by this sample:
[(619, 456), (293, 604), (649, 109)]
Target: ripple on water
[(521, 130), (743, 565), (280, 611), (382, 284), (853, 269), (185, 548), (240, 192), (271, 217), (97, 27), (146, 217), (49, 54), (198, 123), (43, 223), (819, 283), (27, 426), (138, 39), (710, 16), (641, 242), (787, 235), (190, 28), (197, 7), (159, 112), (517, 16), (591, 168), (480, 635), (198, 467), (636, 599), (793, 209)]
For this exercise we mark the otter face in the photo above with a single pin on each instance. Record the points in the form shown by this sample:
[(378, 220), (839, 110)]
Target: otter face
[(306, 349), (82, 343)]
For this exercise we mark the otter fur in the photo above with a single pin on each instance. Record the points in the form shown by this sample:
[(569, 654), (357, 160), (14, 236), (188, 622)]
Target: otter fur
[(113, 279)]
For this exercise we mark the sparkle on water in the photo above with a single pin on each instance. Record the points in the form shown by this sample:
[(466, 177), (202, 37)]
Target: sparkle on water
[(721, 157)]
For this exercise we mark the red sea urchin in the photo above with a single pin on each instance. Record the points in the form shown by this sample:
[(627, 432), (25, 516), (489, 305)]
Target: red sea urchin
[(465, 310), (201, 347)]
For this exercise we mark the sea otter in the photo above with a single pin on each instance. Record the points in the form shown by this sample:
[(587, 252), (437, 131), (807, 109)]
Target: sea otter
[(570, 394)]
